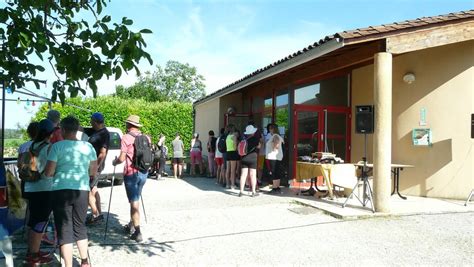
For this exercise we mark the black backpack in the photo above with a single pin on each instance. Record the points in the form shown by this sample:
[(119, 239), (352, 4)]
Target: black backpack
[(142, 153), (222, 146)]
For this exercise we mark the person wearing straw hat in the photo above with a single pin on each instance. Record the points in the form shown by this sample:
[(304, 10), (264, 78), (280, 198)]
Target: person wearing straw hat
[(134, 179)]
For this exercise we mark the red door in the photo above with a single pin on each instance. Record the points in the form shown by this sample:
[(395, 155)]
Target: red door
[(321, 129)]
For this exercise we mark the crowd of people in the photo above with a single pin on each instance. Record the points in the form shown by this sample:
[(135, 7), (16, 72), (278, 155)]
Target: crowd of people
[(68, 162), (60, 168), (260, 163)]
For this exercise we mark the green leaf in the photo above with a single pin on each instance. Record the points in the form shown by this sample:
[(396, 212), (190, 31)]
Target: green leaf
[(127, 22), (106, 19), (3, 15), (118, 72), (40, 68), (146, 31)]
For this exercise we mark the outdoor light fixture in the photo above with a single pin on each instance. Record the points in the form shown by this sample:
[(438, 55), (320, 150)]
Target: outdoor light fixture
[(409, 77)]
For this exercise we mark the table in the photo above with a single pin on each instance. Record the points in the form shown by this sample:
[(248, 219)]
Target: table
[(305, 170), (342, 175), (396, 168)]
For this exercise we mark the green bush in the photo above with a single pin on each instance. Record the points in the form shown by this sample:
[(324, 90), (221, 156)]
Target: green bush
[(156, 117)]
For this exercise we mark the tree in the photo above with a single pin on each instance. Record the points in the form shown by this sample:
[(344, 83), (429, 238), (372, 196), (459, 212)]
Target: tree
[(177, 82), (58, 32)]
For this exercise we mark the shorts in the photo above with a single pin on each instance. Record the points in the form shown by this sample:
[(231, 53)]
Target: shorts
[(196, 157), (134, 184), (219, 161), (70, 212), (40, 206), (249, 161), (232, 156), (177, 160), (275, 166)]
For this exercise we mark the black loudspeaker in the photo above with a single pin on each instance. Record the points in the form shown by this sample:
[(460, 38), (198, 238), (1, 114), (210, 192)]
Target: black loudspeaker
[(364, 119)]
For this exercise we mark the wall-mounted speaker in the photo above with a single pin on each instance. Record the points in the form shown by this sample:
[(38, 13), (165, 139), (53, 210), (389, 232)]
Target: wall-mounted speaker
[(364, 119)]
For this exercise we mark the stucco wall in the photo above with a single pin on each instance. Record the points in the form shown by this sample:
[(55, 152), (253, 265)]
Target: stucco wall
[(207, 118), (444, 87)]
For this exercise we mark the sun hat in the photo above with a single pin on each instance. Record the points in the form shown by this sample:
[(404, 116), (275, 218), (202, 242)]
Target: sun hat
[(98, 117), (53, 115), (250, 129), (46, 125), (134, 120)]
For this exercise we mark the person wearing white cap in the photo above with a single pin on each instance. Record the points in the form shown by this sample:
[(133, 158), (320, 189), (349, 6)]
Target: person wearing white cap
[(249, 161)]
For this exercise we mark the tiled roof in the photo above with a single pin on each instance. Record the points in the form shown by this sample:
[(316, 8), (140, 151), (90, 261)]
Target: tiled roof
[(371, 32)]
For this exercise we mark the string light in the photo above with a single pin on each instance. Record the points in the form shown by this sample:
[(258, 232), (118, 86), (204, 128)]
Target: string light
[(33, 103), (27, 102), (18, 101)]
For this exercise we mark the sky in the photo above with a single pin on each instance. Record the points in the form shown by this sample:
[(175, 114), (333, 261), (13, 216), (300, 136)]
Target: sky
[(227, 40)]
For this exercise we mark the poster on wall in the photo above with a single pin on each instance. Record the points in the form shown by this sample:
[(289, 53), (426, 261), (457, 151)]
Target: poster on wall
[(422, 137)]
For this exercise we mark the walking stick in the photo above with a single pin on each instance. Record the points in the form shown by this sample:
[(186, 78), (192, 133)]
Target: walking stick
[(143, 206), (110, 201)]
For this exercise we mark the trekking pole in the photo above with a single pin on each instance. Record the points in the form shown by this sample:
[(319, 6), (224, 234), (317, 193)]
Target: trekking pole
[(110, 201), (143, 206)]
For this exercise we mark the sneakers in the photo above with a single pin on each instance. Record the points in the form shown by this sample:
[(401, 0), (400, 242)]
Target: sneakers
[(137, 237), (93, 219), (275, 191), (256, 194), (127, 229), (38, 259)]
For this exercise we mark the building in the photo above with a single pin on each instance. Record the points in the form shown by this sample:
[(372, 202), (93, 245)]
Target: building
[(417, 74)]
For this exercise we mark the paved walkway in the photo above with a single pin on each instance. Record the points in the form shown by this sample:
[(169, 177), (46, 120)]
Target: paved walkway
[(194, 222)]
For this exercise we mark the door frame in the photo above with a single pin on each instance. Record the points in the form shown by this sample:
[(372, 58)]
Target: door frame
[(321, 126)]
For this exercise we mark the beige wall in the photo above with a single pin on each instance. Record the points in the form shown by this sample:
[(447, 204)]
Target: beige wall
[(444, 86), (210, 115), (207, 118)]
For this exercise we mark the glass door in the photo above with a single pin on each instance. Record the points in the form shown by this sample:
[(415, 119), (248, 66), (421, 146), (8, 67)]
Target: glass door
[(321, 129), (307, 132)]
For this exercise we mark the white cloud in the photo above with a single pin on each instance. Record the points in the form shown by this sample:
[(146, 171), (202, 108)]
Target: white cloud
[(232, 53)]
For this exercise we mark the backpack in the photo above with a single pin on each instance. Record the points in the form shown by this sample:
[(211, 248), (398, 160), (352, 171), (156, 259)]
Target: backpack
[(157, 152), (28, 170), (242, 147), (142, 153), (222, 146)]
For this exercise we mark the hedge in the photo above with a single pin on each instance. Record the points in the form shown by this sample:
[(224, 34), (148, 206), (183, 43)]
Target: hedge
[(156, 117)]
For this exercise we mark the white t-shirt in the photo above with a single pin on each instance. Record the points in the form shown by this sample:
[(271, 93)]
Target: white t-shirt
[(274, 154)]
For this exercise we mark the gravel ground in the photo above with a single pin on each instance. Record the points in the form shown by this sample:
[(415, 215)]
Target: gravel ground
[(193, 222)]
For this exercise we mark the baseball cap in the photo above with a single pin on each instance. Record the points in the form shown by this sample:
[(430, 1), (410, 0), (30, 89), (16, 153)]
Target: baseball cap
[(53, 115), (46, 125), (98, 117)]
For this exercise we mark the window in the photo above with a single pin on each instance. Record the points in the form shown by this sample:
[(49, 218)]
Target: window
[(282, 111), (329, 92)]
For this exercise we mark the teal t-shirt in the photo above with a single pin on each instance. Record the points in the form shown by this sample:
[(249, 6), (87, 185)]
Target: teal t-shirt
[(45, 183), (72, 164)]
